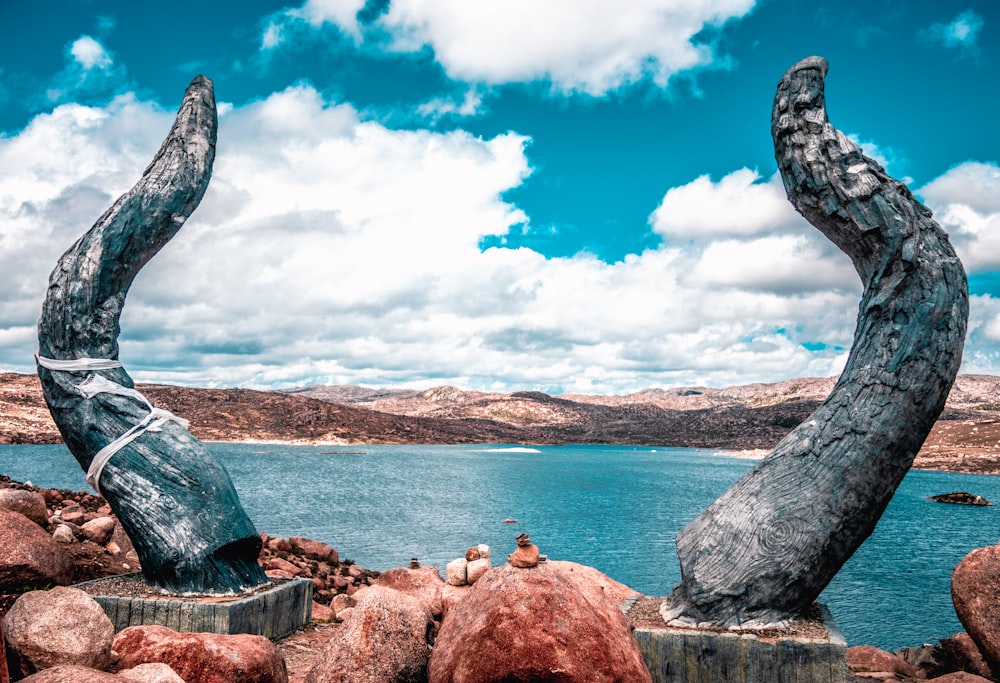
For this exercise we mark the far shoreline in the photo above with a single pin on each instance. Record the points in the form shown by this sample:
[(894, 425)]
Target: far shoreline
[(965, 460)]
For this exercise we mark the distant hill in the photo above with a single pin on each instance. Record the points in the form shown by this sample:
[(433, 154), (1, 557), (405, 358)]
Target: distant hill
[(748, 417)]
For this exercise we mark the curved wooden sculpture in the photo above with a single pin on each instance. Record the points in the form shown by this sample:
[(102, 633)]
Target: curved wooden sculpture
[(176, 503), (763, 552)]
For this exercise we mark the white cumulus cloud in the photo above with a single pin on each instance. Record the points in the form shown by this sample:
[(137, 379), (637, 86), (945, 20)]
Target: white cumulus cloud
[(966, 202), (90, 54), (330, 248), (583, 46), (739, 204)]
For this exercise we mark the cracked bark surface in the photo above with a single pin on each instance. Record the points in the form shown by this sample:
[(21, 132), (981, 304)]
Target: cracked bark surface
[(762, 553), (175, 501)]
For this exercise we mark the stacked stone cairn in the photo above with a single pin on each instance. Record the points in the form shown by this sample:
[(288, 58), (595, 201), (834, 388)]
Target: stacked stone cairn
[(465, 571)]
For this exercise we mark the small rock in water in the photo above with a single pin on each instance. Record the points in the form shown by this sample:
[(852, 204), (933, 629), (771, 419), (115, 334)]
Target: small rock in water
[(960, 498)]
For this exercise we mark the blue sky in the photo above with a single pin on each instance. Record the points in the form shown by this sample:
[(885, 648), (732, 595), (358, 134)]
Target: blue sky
[(568, 195)]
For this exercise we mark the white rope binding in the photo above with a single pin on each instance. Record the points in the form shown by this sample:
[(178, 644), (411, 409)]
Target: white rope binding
[(78, 364), (98, 384)]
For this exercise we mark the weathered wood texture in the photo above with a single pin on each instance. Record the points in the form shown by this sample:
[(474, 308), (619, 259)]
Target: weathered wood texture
[(273, 613), (175, 501), (675, 655), (766, 548)]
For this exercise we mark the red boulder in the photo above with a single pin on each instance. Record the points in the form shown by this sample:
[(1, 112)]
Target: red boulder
[(31, 504), (66, 626), (316, 550), (975, 592), (528, 624), (28, 556), (203, 657), (866, 658), (383, 639)]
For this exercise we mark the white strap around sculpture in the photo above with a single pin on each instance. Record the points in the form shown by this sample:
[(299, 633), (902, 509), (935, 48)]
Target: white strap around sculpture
[(98, 384)]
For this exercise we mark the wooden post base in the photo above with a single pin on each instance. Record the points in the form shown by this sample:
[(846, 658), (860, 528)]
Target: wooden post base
[(683, 655), (274, 612)]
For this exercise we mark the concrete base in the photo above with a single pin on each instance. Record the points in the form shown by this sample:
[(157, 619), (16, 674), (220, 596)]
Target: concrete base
[(676, 655), (273, 613)]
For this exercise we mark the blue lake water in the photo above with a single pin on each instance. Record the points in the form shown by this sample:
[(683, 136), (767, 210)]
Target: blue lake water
[(613, 508)]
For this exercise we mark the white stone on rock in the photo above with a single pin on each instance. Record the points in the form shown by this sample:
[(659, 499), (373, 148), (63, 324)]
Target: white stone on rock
[(456, 572), (476, 569)]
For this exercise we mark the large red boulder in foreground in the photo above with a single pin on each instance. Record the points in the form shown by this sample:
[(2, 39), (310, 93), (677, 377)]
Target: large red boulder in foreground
[(203, 657), (975, 591), (59, 626), (382, 640), (28, 556), (543, 623)]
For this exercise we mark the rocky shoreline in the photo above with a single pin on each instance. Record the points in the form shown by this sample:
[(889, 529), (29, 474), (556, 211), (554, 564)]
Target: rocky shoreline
[(52, 537)]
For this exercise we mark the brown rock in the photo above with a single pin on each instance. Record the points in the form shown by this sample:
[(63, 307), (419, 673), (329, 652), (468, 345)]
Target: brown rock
[(866, 658), (73, 514), (524, 624), (154, 672), (524, 556), (960, 677), (29, 503), (342, 601), (203, 657), (321, 612), (28, 556), (278, 564), (59, 626), (975, 592), (279, 544), (382, 640), (72, 674), (965, 655), (278, 574), (316, 550), (472, 554), (99, 530), (424, 583), (64, 534)]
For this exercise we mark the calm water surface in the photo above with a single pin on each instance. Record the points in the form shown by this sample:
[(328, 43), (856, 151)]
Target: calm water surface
[(613, 508)]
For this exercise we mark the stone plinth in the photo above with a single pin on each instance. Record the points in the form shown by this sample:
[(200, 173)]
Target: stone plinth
[(681, 655), (272, 612)]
